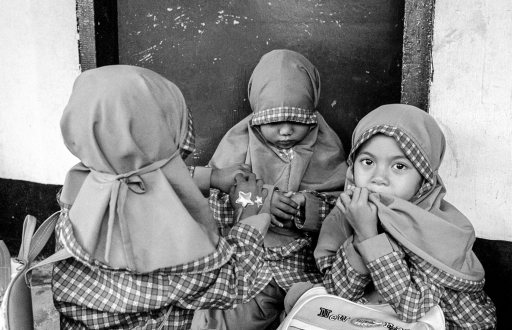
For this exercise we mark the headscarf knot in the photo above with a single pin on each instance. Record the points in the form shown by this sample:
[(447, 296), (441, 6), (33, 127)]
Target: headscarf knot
[(121, 183)]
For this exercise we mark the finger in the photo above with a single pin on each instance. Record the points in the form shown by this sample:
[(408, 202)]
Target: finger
[(239, 177), (355, 195), (363, 196), (345, 199), (288, 194), (288, 201), (339, 204), (259, 185), (279, 213), (264, 193), (287, 209), (273, 221)]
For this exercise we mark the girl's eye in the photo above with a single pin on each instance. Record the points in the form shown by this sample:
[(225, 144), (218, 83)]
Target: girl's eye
[(400, 166), (366, 162)]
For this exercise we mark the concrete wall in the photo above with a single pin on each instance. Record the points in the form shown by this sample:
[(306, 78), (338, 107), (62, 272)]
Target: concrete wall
[(39, 57), (471, 97)]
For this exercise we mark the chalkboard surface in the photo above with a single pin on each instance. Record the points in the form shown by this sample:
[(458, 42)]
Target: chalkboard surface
[(209, 49)]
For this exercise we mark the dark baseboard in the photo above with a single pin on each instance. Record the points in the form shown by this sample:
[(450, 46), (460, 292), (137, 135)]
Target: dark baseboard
[(17, 200), (496, 257)]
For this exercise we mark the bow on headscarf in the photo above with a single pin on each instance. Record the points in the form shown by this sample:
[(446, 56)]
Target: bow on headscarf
[(428, 225), (134, 204), (285, 86)]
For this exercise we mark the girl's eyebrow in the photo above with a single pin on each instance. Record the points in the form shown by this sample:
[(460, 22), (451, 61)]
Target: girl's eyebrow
[(391, 157)]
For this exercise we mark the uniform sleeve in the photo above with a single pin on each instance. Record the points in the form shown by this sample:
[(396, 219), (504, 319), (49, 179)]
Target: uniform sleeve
[(239, 278), (317, 207), (340, 276), (407, 288), (223, 212)]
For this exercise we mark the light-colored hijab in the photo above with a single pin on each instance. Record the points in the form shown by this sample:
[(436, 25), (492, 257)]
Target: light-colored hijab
[(428, 225), (134, 204), (285, 86)]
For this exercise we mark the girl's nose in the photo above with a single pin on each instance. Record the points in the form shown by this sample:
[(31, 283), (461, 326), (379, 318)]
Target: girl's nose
[(380, 176), (286, 129)]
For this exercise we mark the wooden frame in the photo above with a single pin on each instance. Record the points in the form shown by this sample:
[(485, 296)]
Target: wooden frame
[(97, 24), (417, 67), (97, 27)]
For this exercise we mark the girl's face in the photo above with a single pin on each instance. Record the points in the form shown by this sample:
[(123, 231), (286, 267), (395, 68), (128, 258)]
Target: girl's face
[(284, 134), (382, 167)]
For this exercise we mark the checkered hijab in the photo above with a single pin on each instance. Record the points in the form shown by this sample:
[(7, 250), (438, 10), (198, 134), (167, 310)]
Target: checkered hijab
[(134, 205), (285, 86), (427, 225)]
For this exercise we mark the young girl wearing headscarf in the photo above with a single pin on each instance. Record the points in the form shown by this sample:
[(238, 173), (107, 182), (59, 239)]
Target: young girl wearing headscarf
[(146, 250), (393, 238), (300, 158)]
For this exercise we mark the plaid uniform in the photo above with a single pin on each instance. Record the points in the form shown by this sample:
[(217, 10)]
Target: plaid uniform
[(278, 114), (412, 286), (91, 295), (408, 283), (287, 264)]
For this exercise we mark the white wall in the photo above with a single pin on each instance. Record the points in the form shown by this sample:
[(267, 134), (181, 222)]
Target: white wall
[(471, 97), (39, 63)]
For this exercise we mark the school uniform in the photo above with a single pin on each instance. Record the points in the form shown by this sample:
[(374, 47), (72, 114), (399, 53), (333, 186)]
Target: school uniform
[(284, 86)]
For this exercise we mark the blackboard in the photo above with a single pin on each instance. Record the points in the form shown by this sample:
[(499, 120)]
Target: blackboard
[(209, 49)]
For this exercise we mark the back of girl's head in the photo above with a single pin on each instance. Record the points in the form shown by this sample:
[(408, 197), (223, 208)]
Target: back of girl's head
[(284, 86), (120, 118), (416, 132)]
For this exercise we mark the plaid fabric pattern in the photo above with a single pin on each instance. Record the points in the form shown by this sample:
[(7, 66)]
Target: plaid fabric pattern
[(410, 149), (223, 212), (287, 264), (293, 263), (413, 290), (188, 145), (91, 295), (412, 286), (340, 278), (274, 115)]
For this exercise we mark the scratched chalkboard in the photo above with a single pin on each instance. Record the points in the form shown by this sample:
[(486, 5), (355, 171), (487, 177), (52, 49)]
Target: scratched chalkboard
[(209, 49)]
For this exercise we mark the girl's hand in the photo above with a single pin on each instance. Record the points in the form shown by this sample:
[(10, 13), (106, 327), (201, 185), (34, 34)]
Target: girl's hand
[(360, 212), (247, 195), (224, 178), (284, 208)]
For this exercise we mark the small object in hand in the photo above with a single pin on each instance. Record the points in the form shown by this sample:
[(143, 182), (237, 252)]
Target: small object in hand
[(244, 199), (259, 201)]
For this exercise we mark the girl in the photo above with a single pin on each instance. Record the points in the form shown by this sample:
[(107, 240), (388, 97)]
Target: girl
[(393, 238), (146, 248), (293, 150)]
